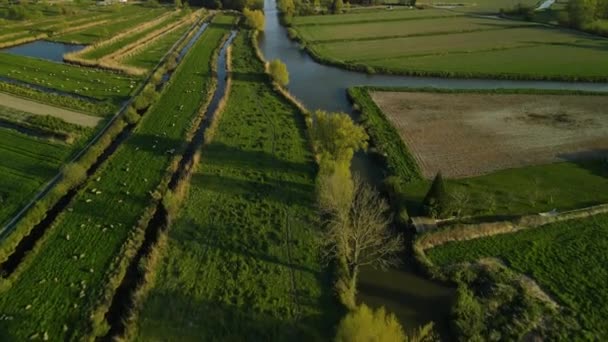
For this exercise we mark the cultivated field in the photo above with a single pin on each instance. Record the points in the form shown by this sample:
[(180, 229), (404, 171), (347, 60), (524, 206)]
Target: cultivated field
[(469, 134), (566, 259), (445, 44), (241, 261), (69, 272)]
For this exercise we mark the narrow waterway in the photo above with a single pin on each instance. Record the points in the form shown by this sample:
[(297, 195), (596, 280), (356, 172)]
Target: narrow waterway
[(415, 299)]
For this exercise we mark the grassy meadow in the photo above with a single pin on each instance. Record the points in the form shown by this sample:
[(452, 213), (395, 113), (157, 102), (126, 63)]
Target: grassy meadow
[(149, 56), (566, 259), (99, 85), (63, 280), (26, 163), (449, 44), (241, 258), (107, 49), (121, 19)]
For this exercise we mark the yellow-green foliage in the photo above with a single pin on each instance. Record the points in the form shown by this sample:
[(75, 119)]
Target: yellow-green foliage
[(336, 136), (278, 72), (365, 324), (254, 19)]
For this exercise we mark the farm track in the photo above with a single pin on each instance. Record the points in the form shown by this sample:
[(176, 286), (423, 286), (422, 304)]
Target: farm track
[(38, 108)]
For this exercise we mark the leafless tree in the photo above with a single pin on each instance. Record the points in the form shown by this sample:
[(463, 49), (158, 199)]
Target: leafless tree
[(360, 236)]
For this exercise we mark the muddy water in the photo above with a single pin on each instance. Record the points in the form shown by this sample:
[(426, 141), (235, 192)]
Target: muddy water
[(43, 49), (415, 299)]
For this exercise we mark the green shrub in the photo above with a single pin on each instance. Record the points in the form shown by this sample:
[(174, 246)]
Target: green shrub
[(279, 73), (254, 19), (437, 200)]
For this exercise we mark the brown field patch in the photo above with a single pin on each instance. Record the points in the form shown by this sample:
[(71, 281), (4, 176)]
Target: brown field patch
[(470, 134)]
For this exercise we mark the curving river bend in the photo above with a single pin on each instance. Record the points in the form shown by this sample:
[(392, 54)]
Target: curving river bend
[(415, 299)]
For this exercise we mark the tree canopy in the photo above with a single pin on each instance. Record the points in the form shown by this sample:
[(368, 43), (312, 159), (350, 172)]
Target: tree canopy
[(364, 324), (254, 19), (278, 72), (336, 136)]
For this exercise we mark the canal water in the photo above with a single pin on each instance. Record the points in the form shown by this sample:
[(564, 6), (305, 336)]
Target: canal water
[(415, 299), (43, 49)]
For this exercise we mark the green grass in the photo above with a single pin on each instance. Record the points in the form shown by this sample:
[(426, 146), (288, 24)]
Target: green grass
[(526, 190), (383, 30), (123, 19), (148, 57), (245, 230), (26, 163), (461, 46), (132, 38), (566, 259), (480, 6), (99, 224), (380, 15), (102, 85)]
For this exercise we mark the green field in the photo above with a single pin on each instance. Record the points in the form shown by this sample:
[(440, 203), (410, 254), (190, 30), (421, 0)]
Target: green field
[(148, 57), (26, 163), (122, 19), (566, 259), (371, 16), (132, 38), (391, 29), (111, 88), (64, 279), (241, 259), (463, 46)]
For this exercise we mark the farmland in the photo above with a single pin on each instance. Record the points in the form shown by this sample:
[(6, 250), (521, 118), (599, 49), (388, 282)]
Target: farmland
[(241, 259), (539, 181), (33, 162), (452, 46), (65, 278), (148, 58), (566, 259), (470, 134), (101, 86)]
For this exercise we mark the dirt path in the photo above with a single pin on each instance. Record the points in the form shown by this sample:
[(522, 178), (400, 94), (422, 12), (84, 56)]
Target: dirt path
[(43, 109)]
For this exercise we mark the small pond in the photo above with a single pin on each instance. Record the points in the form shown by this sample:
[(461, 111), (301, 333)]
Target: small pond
[(43, 49)]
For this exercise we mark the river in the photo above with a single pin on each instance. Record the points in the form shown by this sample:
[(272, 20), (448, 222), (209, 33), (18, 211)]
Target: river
[(415, 299)]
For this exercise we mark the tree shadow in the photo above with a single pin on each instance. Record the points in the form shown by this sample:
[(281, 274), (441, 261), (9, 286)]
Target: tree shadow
[(176, 316), (593, 160)]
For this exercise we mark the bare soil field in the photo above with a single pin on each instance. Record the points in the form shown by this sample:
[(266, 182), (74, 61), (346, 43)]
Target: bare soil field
[(470, 134), (44, 109)]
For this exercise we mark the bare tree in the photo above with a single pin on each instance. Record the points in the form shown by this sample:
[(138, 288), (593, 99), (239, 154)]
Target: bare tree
[(361, 236)]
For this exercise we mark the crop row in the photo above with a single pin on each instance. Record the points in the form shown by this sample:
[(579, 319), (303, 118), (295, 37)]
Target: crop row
[(77, 257)]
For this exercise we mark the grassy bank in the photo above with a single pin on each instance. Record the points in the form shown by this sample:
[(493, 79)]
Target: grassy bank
[(240, 260), (553, 256), (54, 290)]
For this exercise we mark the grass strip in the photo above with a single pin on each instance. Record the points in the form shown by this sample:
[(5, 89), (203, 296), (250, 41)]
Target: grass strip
[(243, 245)]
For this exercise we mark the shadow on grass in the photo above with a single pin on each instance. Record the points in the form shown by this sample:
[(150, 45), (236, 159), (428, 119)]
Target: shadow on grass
[(593, 160), (175, 316)]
